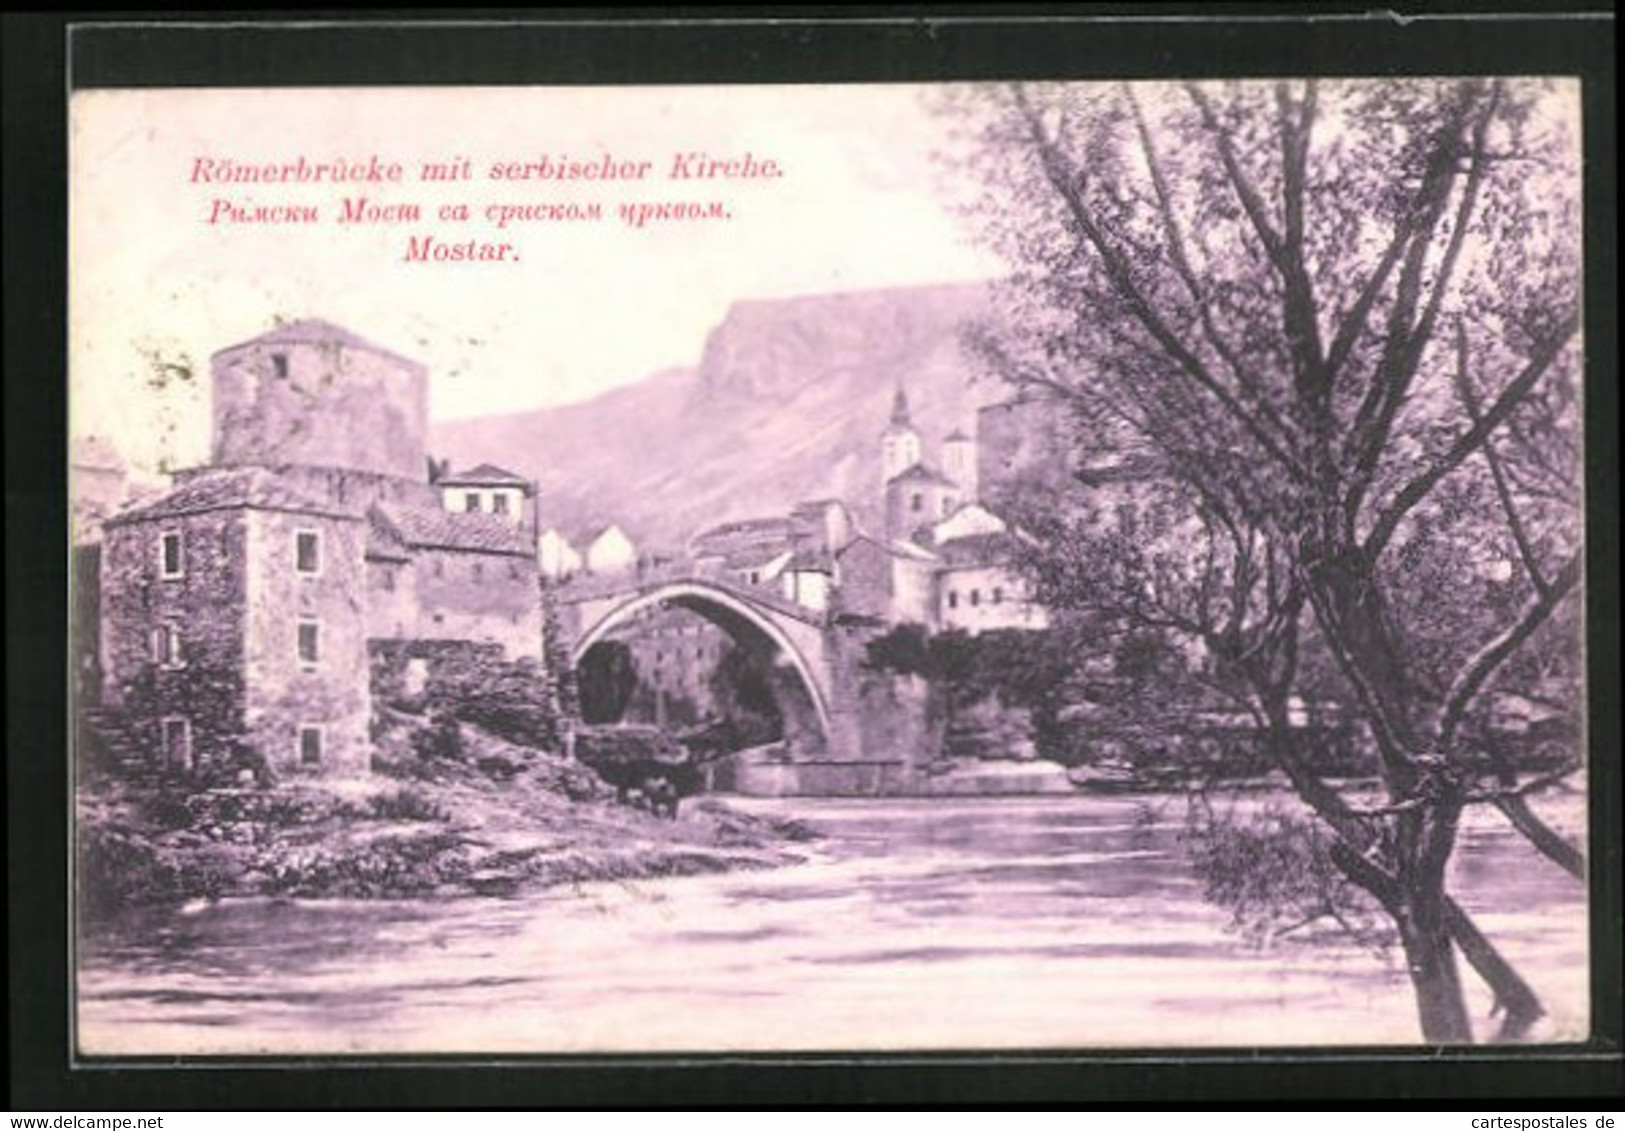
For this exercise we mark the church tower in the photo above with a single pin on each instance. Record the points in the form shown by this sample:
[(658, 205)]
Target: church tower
[(959, 463), (899, 443)]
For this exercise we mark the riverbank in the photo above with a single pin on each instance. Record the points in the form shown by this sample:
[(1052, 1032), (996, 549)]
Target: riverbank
[(502, 820)]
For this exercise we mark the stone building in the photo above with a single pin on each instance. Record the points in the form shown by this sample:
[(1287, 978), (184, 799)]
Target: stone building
[(233, 619), (240, 610)]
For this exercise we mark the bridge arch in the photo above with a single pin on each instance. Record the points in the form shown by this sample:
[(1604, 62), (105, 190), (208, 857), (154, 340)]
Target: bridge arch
[(725, 609)]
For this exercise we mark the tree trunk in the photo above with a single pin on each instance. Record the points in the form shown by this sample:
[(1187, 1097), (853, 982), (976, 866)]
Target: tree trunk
[(1431, 962), (1513, 995)]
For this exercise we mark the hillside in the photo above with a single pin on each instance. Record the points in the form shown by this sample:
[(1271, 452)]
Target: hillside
[(787, 403)]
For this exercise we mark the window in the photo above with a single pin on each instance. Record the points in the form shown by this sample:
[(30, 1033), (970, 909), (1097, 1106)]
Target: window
[(307, 551), (471, 501), (310, 641), (478, 570), (513, 570), (998, 595), (499, 503), (953, 598), (171, 558), (386, 577), (439, 568), (166, 646), (310, 746), (279, 366), (975, 597), (176, 738), (916, 502)]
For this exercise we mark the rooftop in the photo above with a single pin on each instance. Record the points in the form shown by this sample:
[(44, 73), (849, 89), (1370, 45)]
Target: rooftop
[(485, 475), (249, 487), (922, 473), (316, 331), (436, 529)]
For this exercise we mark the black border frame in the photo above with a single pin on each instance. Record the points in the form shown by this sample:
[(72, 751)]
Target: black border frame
[(40, 61)]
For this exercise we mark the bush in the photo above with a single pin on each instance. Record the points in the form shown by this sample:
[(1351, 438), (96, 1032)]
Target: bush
[(404, 805)]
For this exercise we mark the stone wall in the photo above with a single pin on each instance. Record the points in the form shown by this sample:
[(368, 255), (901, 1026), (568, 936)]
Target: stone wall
[(287, 692), (202, 682), (493, 598)]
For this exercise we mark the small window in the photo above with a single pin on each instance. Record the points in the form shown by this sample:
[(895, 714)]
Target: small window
[(471, 501), (279, 366), (176, 738), (917, 502), (386, 578), (307, 552), (975, 597), (439, 568), (310, 642), (166, 646), (499, 503), (310, 746), (171, 557), (513, 570), (998, 595), (478, 570), (953, 598)]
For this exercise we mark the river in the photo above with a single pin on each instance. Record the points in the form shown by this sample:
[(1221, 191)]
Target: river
[(1035, 923)]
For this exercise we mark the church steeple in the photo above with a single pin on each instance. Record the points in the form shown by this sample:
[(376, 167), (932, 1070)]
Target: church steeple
[(899, 443), (899, 409)]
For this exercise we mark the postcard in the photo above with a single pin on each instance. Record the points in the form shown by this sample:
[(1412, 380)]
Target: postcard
[(796, 568)]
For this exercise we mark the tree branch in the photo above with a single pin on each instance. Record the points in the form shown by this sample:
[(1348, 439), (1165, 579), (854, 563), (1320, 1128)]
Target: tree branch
[(1471, 440), (1187, 274), (1495, 652), (1061, 178), (1469, 400)]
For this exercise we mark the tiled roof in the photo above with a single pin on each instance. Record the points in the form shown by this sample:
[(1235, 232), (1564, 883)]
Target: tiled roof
[(920, 473), (485, 475), (810, 561), (316, 331), (773, 525), (383, 544), (895, 548), (978, 549), (433, 528), (253, 487)]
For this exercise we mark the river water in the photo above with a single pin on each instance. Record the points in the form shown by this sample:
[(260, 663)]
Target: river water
[(1036, 923)]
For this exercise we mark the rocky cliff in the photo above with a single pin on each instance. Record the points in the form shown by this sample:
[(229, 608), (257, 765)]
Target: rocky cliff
[(787, 404)]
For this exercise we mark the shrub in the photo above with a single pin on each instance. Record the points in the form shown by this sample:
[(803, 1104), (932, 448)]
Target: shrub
[(404, 805)]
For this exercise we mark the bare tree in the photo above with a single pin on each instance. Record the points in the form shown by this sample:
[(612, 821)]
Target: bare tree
[(1344, 319)]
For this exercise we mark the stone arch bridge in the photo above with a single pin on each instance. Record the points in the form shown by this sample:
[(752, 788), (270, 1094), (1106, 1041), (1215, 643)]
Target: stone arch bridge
[(845, 738)]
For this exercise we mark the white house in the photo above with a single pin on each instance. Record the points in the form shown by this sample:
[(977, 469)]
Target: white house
[(609, 550), (486, 488), (557, 557)]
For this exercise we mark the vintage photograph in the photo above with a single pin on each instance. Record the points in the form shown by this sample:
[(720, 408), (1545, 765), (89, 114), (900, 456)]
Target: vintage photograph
[(811, 568)]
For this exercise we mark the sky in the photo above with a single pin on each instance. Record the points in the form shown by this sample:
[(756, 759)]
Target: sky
[(587, 306)]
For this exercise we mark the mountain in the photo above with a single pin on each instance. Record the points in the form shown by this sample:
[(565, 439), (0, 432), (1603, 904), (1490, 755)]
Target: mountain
[(787, 404)]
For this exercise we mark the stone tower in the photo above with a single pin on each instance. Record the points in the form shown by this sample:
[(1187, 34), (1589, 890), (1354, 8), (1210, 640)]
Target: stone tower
[(899, 443), (311, 394)]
